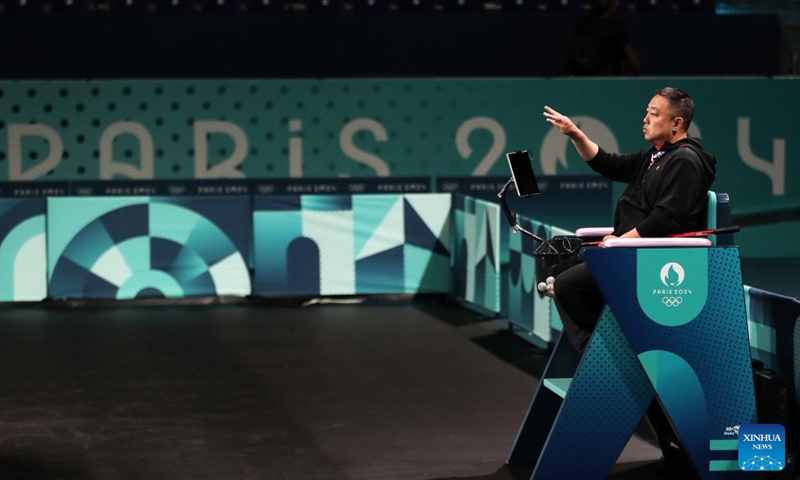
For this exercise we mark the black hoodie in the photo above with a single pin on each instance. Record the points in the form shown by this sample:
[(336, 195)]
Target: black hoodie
[(667, 190)]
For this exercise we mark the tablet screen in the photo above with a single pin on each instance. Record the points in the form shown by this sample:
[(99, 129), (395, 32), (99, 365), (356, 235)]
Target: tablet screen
[(522, 173)]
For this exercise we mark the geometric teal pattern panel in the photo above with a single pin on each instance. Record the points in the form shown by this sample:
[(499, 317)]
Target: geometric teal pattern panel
[(528, 309), (148, 247), (477, 247), (555, 320), (351, 244), (23, 271), (303, 244)]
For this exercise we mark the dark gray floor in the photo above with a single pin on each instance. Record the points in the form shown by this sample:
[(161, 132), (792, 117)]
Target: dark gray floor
[(385, 390), (375, 391)]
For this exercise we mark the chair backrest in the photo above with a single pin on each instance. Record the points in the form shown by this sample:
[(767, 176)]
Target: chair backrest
[(719, 215), (711, 214)]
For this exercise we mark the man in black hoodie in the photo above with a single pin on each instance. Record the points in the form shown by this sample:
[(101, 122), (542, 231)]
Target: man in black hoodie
[(666, 193)]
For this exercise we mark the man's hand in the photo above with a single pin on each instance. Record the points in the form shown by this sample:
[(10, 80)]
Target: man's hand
[(586, 148), (632, 233), (561, 122), (607, 237)]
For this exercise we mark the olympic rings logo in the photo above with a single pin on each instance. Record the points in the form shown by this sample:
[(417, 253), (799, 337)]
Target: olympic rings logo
[(672, 301)]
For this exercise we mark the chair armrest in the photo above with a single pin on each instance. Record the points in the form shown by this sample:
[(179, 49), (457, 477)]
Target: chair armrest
[(657, 242), (594, 231)]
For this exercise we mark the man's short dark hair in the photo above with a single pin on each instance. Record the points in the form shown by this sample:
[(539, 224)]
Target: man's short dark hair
[(680, 104)]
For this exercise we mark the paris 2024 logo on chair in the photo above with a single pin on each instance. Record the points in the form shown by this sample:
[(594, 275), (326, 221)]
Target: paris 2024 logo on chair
[(672, 284)]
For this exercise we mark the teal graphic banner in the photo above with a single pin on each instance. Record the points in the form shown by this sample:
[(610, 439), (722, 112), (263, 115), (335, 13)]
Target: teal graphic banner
[(351, 244), (22, 249), (528, 309), (480, 254), (533, 313), (264, 129), (23, 244), (148, 247)]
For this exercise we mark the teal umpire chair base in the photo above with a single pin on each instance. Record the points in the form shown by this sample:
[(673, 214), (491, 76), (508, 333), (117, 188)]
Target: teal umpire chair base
[(674, 329)]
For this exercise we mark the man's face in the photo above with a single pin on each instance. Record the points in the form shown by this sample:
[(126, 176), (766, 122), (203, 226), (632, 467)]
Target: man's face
[(658, 121)]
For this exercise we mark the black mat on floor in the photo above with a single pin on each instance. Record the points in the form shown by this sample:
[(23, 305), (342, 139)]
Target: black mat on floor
[(400, 390)]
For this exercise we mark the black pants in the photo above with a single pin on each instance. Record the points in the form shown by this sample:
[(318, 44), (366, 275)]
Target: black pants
[(579, 303)]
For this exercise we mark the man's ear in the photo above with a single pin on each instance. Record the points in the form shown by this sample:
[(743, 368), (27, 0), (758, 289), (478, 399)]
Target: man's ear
[(678, 122)]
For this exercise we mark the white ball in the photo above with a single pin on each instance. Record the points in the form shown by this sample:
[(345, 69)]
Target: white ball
[(542, 286), (551, 280)]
